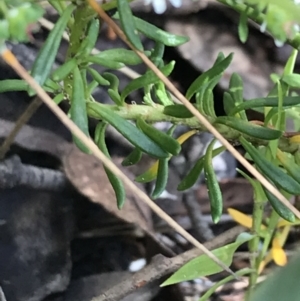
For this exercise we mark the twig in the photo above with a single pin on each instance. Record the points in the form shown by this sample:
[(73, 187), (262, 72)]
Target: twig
[(31, 109), (13, 173), (161, 266), (11, 60), (199, 225), (194, 111)]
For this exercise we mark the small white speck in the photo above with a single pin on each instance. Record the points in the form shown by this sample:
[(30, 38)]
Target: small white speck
[(137, 265), (167, 195)]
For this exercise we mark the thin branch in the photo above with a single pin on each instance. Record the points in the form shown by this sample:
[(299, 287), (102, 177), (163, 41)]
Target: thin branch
[(194, 111), (31, 109), (13, 173), (12, 61), (161, 266), (155, 114)]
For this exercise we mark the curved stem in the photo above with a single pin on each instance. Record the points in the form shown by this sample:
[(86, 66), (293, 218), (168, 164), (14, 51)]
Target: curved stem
[(223, 281), (155, 113)]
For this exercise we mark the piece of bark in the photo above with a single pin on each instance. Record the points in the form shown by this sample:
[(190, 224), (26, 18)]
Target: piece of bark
[(161, 266), (13, 173)]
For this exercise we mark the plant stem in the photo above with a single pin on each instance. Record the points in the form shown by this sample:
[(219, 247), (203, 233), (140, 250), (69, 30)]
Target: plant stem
[(258, 211), (155, 113), (26, 115), (223, 281), (82, 15), (267, 241), (269, 234)]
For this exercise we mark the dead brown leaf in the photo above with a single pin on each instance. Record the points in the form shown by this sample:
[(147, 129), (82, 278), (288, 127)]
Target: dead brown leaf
[(87, 174)]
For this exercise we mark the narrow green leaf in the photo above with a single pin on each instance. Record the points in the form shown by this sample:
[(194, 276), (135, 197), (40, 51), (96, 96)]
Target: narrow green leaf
[(274, 173), (115, 97), (147, 79), (115, 182), (290, 165), (46, 57), (271, 114), (90, 88), (265, 102), (128, 130), (209, 75), (8, 85), (78, 109), (64, 70), (133, 158), (228, 103), (204, 266), (243, 27), (213, 187), (129, 24), (215, 81), (121, 55), (157, 34), (208, 104), (191, 178), (162, 95), (113, 90), (162, 139), (177, 110), (157, 54), (280, 208), (59, 98), (249, 129), (98, 77), (50, 84), (162, 178), (293, 80), (90, 40), (236, 91), (200, 99), (103, 62), (149, 175)]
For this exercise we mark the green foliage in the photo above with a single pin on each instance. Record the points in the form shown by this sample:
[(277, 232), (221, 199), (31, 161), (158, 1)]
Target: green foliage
[(271, 150), (78, 107), (283, 285), (191, 178), (213, 187), (46, 57), (204, 266), (116, 183), (15, 19)]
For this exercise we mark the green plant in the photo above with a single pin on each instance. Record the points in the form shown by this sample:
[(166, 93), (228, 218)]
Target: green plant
[(273, 151)]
